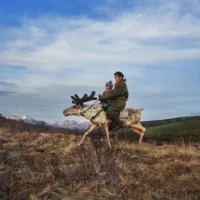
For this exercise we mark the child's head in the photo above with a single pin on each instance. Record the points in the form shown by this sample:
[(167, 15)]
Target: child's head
[(109, 85)]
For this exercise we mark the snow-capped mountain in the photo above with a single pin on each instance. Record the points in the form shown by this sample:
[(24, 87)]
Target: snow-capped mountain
[(71, 124), (30, 120), (27, 119), (13, 117), (68, 124)]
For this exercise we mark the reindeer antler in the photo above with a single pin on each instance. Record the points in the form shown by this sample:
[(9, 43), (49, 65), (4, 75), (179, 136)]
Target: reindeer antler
[(85, 98)]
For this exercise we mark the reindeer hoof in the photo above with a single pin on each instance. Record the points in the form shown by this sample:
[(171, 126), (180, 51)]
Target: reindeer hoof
[(140, 142), (79, 143)]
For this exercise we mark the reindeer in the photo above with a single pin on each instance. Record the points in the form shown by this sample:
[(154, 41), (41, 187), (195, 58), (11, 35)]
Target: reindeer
[(95, 113)]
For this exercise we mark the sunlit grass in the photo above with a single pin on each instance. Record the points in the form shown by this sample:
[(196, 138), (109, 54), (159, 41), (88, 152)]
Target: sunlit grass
[(46, 164)]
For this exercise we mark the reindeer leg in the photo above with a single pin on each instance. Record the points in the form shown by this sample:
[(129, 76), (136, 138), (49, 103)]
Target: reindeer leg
[(106, 129), (140, 132), (139, 126), (144, 129), (90, 129)]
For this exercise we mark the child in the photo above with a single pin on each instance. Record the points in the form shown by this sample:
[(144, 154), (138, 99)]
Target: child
[(109, 89)]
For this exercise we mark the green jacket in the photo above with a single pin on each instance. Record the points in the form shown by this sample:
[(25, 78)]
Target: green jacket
[(120, 92)]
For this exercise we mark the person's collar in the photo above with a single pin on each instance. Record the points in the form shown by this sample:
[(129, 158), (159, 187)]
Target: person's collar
[(121, 81)]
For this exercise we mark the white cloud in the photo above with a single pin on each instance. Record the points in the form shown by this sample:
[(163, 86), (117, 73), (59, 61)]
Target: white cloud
[(50, 44), (63, 56)]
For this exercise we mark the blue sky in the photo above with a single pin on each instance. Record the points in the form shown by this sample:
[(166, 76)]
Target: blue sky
[(52, 49)]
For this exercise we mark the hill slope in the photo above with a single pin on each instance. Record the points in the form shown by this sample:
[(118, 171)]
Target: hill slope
[(154, 123), (186, 127)]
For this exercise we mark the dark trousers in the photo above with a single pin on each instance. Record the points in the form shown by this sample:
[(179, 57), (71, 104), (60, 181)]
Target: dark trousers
[(113, 112)]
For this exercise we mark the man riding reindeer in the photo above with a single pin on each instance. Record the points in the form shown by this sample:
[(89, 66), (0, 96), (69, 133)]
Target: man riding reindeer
[(116, 113), (119, 96)]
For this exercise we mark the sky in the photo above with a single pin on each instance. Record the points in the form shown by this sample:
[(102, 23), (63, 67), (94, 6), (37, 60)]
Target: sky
[(52, 49)]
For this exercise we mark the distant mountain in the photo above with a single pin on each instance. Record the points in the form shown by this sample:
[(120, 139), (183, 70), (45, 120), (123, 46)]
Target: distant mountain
[(27, 119), (30, 120), (74, 125), (71, 125), (13, 117)]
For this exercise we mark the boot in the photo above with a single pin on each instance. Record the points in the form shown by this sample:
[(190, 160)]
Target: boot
[(116, 128), (111, 127)]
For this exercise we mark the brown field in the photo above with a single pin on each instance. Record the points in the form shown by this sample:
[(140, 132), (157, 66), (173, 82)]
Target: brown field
[(40, 163)]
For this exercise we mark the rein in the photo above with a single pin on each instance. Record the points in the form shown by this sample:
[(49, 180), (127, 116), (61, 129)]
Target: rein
[(90, 106)]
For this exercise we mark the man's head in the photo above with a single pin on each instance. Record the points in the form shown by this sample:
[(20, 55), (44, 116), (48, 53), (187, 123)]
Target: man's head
[(118, 76)]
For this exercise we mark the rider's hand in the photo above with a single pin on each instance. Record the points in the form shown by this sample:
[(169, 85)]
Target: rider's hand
[(101, 97)]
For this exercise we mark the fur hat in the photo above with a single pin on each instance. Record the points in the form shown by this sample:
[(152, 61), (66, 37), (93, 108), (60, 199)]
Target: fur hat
[(110, 84)]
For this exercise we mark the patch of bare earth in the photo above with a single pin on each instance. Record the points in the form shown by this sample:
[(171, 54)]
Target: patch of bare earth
[(41, 165)]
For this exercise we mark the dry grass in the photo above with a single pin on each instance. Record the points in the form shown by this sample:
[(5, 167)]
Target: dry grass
[(38, 165)]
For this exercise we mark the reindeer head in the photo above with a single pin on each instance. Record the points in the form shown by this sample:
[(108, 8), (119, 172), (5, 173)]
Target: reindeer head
[(77, 109)]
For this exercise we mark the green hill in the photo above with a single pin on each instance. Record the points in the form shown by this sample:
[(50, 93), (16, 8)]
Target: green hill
[(179, 128), (154, 123)]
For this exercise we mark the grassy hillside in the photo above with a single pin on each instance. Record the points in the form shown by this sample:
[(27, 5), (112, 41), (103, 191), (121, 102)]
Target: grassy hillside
[(39, 163), (154, 123), (189, 128)]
